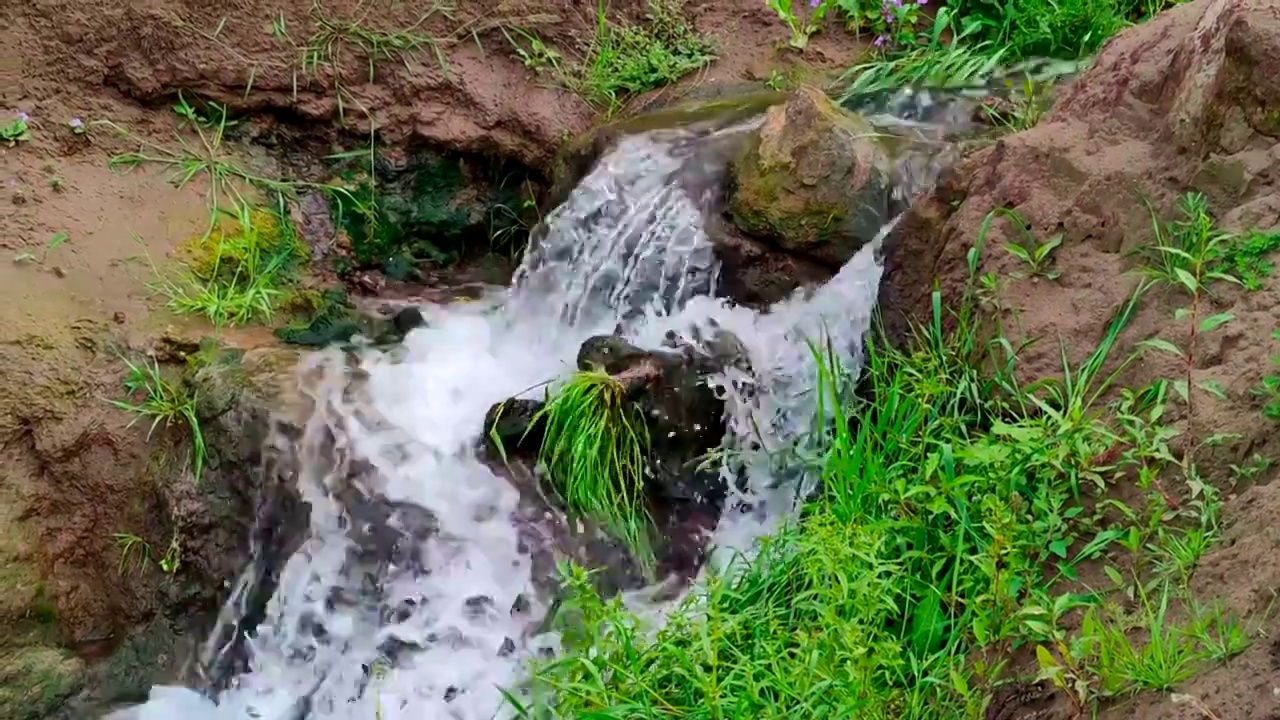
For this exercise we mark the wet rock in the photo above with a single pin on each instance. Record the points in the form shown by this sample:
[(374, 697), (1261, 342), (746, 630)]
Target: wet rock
[(814, 181), (515, 425), (684, 419)]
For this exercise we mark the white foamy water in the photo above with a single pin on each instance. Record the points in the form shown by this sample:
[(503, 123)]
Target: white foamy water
[(626, 249)]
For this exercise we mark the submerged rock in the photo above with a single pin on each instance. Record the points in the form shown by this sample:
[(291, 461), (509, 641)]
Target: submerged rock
[(814, 181)]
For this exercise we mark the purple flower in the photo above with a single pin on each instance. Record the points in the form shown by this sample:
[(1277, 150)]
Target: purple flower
[(880, 40), (23, 116), (922, 2), (814, 3), (76, 123)]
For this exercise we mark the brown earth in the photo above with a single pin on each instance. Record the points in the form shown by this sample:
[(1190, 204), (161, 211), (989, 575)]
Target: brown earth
[(1189, 100)]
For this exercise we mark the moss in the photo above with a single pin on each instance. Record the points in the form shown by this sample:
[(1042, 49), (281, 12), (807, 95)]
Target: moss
[(329, 320), (36, 680)]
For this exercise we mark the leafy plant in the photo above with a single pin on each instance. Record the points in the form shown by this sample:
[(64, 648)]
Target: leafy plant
[(16, 130), (131, 545), (53, 243), (152, 396), (235, 276), (1269, 388), (802, 17), (1034, 254), (1182, 256), (594, 449)]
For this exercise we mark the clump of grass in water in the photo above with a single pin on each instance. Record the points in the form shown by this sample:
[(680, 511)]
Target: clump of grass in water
[(152, 396), (594, 448)]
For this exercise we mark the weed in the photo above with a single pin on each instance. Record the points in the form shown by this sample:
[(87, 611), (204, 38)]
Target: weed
[(1269, 388), (152, 396), (1247, 257), (1183, 256), (954, 64), (334, 37), (205, 155), (620, 61), (238, 276), (777, 80), (595, 449), (948, 515), (53, 243), (131, 545), (16, 130), (802, 17), (1036, 255)]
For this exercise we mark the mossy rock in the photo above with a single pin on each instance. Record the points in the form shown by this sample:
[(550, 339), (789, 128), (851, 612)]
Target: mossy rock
[(813, 181), (36, 680)]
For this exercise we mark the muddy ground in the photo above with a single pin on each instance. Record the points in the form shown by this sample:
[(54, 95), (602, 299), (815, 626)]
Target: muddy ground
[(75, 473)]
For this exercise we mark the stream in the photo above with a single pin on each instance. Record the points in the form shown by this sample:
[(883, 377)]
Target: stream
[(436, 622)]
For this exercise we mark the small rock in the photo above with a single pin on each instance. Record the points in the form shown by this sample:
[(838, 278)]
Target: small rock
[(58, 271), (450, 693), (119, 317), (521, 605), (508, 647)]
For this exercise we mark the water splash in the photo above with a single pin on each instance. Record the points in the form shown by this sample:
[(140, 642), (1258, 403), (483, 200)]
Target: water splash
[(413, 596)]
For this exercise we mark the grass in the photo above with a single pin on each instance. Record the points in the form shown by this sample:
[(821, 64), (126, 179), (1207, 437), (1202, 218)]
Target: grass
[(150, 395), (621, 60), (235, 276), (595, 449), (962, 517)]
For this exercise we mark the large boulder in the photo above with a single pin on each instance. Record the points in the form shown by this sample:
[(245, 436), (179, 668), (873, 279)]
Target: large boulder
[(813, 181)]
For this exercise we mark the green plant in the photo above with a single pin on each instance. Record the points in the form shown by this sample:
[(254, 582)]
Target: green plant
[(53, 243), (595, 450), (622, 60), (235, 276), (172, 558), (16, 130), (1182, 256), (1247, 256), (152, 396), (1033, 253), (131, 545), (206, 155), (335, 37), (1269, 388), (956, 63), (802, 22)]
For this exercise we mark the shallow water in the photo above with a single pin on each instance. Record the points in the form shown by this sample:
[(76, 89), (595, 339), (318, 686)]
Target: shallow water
[(439, 629)]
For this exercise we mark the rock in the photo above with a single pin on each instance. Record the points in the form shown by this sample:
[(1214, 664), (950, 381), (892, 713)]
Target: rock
[(813, 182), (684, 419)]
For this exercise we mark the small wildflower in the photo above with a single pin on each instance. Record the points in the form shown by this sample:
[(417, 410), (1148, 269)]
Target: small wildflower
[(77, 126), (814, 3), (23, 117), (880, 40)]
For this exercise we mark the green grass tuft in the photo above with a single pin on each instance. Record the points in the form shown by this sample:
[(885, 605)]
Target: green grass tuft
[(595, 449), (152, 396)]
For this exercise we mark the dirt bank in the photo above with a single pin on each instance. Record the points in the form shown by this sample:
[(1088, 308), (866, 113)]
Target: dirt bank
[(1186, 102)]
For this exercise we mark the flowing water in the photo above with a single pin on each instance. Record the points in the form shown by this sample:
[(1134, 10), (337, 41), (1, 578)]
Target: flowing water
[(437, 620)]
